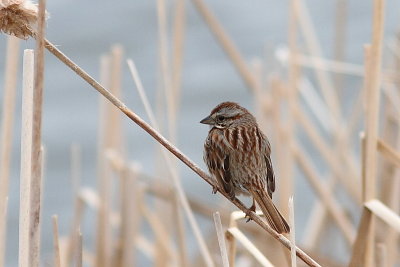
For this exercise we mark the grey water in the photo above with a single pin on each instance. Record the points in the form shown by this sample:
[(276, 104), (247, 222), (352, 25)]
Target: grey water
[(84, 30)]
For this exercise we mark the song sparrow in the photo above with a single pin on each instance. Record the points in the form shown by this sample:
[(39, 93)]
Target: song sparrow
[(237, 155)]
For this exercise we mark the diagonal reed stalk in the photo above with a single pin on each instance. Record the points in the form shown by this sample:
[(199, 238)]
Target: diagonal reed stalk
[(159, 138)]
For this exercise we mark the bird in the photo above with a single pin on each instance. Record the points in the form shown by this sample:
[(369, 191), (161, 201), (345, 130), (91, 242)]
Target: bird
[(237, 155)]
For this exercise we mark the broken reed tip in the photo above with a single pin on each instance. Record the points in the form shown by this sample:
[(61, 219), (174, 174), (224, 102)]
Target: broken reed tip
[(18, 17)]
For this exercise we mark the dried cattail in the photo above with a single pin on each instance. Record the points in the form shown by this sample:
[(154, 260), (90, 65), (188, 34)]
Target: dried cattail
[(17, 17)]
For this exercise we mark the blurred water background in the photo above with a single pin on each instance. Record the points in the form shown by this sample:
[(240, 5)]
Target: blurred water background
[(84, 30)]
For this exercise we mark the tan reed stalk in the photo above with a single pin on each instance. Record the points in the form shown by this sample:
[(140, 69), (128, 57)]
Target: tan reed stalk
[(180, 225), (325, 64), (159, 138), (56, 244), (323, 147), (79, 248), (341, 19), (172, 170), (36, 172), (7, 123), (35, 210), (124, 256), (292, 233), (392, 237), (75, 151), (226, 43), (308, 30), (381, 255), (166, 86), (347, 158), (316, 221), (384, 213), (221, 239), (360, 247), (103, 253), (281, 137), (76, 219), (250, 247), (177, 51), (26, 146), (388, 152), (287, 185), (160, 232), (373, 64), (334, 209), (231, 248), (165, 66), (76, 168), (114, 133)]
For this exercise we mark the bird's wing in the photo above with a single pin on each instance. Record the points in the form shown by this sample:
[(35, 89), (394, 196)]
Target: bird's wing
[(217, 153), (269, 169)]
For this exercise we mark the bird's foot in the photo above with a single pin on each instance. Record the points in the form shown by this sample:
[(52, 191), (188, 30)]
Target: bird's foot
[(214, 189), (251, 209)]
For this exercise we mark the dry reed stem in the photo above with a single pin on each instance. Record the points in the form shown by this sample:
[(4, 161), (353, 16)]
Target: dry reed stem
[(292, 233), (78, 204), (180, 225), (390, 154), (316, 220), (335, 66), (56, 244), (226, 43), (26, 147), (160, 232), (7, 123), (221, 239), (124, 256), (373, 65), (360, 246), (177, 51), (79, 249), (381, 255), (76, 168), (173, 172), (36, 190), (159, 138), (326, 196), (341, 19), (76, 219), (114, 137), (103, 231), (165, 67), (262, 260), (281, 137), (231, 248), (308, 30), (384, 213), (35, 211), (287, 189), (320, 144)]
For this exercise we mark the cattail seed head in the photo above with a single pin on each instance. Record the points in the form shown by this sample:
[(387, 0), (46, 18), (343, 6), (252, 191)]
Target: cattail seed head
[(18, 17)]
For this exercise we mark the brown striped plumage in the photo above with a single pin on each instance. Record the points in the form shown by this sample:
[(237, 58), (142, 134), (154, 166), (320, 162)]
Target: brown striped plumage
[(237, 155)]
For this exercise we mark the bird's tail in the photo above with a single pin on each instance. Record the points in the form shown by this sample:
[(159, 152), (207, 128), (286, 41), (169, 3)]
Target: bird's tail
[(271, 213)]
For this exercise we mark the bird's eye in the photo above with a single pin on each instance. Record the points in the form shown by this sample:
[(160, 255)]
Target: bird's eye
[(220, 118)]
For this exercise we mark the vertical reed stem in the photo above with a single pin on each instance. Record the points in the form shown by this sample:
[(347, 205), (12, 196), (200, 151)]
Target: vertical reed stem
[(7, 134), (26, 148), (36, 182), (57, 258)]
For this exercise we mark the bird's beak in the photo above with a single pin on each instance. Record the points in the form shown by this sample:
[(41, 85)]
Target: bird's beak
[(207, 120)]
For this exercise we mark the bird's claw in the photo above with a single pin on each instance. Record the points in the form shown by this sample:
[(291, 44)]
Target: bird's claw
[(248, 212), (215, 189)]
